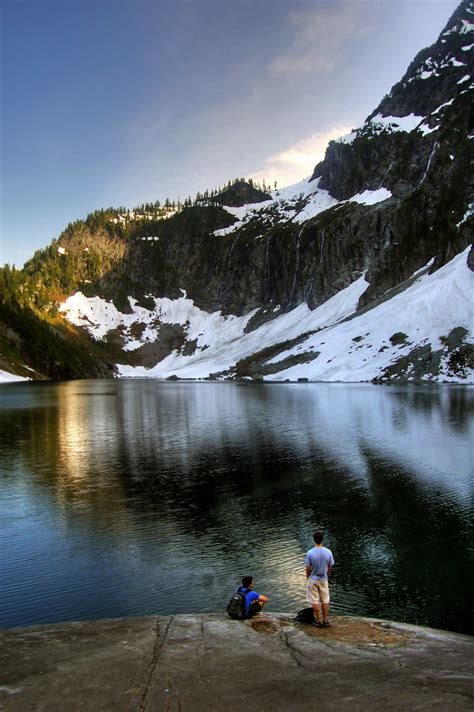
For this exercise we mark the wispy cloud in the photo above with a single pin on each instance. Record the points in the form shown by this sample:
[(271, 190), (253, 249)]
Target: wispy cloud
[(320, 35), (298, 160)]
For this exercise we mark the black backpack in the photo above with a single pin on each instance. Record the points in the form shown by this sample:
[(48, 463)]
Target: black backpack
[(306, 615), (236, 605)]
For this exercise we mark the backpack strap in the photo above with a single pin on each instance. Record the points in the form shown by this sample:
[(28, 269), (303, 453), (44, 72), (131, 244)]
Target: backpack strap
[(244, 592)]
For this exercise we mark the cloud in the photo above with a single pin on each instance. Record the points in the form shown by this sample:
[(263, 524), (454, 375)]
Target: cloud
[(298, 160), (321, 37)]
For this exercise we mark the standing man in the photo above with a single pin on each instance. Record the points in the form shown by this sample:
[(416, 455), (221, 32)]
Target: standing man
[(318, 564)]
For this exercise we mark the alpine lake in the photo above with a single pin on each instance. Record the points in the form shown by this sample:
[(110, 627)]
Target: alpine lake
[(135, 497)]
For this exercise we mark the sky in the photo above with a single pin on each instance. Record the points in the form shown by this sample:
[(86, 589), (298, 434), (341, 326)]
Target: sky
[(119, 102)]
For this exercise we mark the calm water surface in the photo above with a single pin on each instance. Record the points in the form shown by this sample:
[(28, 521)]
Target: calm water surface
[(134, 497)]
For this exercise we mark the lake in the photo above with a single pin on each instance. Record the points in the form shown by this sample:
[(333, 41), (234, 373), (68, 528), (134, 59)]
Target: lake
[(134, 497)]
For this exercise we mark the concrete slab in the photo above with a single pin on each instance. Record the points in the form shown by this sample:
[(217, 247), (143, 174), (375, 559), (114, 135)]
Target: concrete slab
[(191, 663)]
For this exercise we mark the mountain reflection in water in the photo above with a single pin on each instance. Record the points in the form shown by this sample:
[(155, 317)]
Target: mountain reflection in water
[(136, 497)]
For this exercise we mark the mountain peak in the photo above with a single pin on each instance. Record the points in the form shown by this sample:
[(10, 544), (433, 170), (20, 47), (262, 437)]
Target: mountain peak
[(241, 192), (439, 72)]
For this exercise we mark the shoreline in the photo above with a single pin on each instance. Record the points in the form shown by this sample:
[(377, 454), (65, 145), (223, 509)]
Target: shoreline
[(244, 380)]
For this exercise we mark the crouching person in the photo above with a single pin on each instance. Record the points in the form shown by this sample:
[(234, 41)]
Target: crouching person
[(245, 602), (254, 602)]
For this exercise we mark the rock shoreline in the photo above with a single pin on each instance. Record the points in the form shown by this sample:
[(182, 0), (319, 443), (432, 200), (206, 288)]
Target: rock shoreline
[(190, 663)]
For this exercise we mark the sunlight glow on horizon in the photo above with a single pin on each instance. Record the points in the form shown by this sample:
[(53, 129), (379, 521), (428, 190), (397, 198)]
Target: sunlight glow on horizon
[(297, 162)]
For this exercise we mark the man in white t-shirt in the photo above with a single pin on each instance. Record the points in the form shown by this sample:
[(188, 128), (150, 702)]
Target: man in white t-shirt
[(318, 565)]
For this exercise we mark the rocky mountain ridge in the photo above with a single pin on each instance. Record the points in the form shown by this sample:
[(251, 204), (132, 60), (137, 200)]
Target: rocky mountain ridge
[(225, 288)]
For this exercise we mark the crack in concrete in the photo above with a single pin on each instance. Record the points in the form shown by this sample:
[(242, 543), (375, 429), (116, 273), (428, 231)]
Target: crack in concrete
[(294, 652), (153, 663), (201, 646)]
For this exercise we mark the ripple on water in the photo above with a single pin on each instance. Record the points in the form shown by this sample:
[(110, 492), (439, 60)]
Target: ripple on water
[(161, 499)]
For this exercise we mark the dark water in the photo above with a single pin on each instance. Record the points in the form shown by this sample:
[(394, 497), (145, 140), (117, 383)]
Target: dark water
[(133, 497)]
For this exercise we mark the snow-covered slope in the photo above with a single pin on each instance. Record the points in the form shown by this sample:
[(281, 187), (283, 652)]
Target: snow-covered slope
[(430, 321), (7, 377), (398, 333), (297, 204)]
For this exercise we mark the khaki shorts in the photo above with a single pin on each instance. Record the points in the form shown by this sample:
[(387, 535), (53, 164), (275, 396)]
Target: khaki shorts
[(317, 592)]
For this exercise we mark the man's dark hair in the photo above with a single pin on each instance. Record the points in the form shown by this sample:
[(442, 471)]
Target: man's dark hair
[(246, 581), (318, 537)]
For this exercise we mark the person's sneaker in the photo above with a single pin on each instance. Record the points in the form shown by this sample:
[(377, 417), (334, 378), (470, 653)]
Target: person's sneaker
[(326, 624), (317, 624)]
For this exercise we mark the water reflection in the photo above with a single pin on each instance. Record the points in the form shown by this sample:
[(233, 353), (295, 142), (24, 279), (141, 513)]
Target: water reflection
[(133, 497)]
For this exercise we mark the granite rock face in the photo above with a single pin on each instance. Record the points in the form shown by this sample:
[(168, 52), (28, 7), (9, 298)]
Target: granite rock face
[(189, 663)]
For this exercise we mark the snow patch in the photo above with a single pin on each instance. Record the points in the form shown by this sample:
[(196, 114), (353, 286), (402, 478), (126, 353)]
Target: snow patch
[(467, 214), (298, 203), (466, 27), (425, 129), (427, 74), (7, 377), (393, 124), (243, 213), (424, 268), (227, 230), (348, 138), (442, 106), (318, 201), (303, 187), (370, 197)]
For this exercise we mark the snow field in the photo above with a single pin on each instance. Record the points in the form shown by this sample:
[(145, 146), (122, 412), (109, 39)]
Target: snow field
[(285, 200), (429, 308), (223, 336), (99, 317)]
